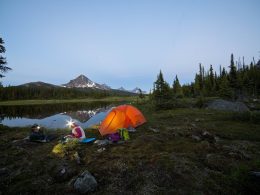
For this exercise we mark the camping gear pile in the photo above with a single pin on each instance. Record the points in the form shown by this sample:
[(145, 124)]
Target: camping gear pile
[(116, 126)]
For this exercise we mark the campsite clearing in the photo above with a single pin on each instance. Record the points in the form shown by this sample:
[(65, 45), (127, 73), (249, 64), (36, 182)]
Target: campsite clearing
[(183, 151)]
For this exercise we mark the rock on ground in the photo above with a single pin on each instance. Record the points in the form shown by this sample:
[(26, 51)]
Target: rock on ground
[(227, 106), (85, 182), (101, 142)]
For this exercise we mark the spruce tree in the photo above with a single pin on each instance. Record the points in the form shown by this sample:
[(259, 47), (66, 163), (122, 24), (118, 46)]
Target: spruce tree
[(224, 73), (216, 83), (162, 93), (3, 62), (201, 77), (211, 78), (225, 90), (232, 73), (177, 89), (199, 85), (196, 85)]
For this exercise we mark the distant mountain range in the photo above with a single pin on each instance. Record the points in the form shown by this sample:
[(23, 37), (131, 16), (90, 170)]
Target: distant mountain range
[(135, 90), (38, 84), (81, 82)]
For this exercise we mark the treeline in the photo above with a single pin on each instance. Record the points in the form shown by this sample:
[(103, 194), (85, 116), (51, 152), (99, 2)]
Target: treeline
[(236, 83), (26, 93)]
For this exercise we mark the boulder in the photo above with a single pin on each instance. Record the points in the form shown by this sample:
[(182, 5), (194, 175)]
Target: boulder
[(255, 174), (85, 182), (227, 106)]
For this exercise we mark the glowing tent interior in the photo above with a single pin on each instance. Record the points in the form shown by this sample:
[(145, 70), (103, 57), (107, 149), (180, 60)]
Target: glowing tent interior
[(122, 116)]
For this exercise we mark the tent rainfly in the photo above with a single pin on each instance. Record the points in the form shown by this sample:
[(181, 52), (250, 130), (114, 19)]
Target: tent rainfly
[(122, 116)]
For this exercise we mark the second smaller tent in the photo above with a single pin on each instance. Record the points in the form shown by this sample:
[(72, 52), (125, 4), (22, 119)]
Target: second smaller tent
[(122, 116)]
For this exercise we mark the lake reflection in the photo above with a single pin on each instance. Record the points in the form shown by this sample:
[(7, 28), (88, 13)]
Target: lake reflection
[(54, 115)]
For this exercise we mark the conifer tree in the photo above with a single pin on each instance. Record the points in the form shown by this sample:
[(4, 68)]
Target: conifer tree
[(3, 62), (197, 89), (216, 83), (224, 72), (225, 90), (162, 93), (177, 89), (201, 77), (232, 73), (211, 78)]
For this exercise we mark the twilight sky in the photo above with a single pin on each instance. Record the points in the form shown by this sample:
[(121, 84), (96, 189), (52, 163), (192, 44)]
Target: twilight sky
[(125, 42)]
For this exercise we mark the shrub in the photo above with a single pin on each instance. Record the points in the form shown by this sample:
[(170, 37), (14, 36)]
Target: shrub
[(253, 117), (200, 102)]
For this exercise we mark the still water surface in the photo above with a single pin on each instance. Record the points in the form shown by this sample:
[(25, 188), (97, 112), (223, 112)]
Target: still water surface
[(54, 116)]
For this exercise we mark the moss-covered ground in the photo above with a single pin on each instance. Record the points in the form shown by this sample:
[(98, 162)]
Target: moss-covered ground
[(178, 151)]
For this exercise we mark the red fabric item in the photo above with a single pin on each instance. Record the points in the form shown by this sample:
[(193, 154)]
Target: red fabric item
[(76, 132)]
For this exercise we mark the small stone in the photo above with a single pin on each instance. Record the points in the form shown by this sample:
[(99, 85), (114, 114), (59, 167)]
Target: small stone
[(196, 138), (101, 150), (193, 124), (209, 137), (49, 180), (255, 100), (77, 158), (101, 142), (154, 130), (131, 129), (217, 139), (63, 171)]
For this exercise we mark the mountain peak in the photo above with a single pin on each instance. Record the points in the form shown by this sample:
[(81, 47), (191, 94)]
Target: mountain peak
[(136, 90), (84, 82), (80, 82), (82, 76), (122, 89)]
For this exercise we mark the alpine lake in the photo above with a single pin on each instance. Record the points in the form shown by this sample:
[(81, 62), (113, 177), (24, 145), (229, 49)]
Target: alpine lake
[(55, 116)]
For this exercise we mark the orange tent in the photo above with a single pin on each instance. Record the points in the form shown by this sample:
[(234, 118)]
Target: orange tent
[(121, 117)]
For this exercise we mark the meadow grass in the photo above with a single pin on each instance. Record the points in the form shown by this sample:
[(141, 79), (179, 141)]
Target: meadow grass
[(167, 160)]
